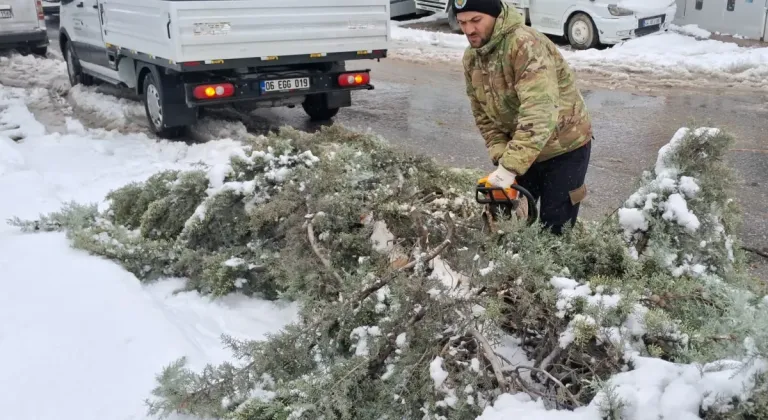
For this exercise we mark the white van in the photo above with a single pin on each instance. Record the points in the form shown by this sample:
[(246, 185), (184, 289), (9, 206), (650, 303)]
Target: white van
[(22, 26), (585, 23)]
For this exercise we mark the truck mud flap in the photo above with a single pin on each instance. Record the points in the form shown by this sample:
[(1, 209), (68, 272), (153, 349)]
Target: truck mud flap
[(338, 99)]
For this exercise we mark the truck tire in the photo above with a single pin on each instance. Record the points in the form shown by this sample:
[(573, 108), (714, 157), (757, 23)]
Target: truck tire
[(317, 108), (154, 108), (582, 32), (74, 71), (41, 51)]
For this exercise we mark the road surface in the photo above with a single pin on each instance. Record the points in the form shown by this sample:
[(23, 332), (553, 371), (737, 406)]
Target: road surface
[(423, 108)]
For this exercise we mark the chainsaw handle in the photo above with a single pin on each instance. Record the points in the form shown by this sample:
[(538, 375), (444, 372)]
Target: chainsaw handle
[(533, 212)]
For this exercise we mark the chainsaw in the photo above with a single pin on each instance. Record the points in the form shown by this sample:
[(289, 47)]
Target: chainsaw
[(504, 202)]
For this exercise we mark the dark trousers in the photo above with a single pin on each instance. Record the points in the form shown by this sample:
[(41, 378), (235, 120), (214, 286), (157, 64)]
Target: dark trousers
[(558, 184)]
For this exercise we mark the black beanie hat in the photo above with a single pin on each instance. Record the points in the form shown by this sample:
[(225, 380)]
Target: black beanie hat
[(489, 7)]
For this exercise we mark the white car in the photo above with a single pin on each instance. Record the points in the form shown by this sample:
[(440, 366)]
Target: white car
[(585, 23), (22, 26)]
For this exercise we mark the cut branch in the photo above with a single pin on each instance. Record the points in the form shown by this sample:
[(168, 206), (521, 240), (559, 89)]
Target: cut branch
[(756, 251), (316, 249), (431, 256), (555, 380), (492, 358)]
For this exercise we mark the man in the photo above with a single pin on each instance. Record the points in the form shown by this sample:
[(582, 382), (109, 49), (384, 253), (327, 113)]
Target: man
[(525, 103)]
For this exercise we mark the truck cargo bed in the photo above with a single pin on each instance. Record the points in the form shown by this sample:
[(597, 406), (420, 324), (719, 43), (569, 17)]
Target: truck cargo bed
[(209, 30)]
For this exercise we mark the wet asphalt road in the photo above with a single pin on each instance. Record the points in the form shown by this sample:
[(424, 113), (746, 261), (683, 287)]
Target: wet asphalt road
[(423, 108)]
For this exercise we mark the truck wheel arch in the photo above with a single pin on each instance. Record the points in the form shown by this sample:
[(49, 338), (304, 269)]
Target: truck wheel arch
[(142, 69), (63, 39)]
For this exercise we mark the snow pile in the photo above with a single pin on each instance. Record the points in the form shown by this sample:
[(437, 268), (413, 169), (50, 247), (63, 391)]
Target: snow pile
[(74, 323), (691, 30), (668, 56), (678, 56)]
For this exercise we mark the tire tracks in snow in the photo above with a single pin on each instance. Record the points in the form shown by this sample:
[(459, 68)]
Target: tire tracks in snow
[(107, 107)]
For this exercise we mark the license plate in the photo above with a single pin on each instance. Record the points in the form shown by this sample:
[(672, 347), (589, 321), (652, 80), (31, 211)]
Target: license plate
[(6, 14), (282, 85), (651, 21)]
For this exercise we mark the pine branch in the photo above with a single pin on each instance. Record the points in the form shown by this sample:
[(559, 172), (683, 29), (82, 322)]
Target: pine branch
[(391, 344)]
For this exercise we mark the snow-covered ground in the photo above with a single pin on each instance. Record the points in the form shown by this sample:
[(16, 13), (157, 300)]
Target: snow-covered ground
[(671, 56), (80, 337)]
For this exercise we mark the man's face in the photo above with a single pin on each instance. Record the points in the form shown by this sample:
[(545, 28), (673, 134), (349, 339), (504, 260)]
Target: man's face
[(478, 27)]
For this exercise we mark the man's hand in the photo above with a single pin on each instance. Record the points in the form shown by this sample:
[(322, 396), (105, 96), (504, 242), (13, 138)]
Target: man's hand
[(501, 177)]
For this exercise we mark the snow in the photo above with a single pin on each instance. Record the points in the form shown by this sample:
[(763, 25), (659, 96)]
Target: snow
[(77, 329), (632, 219), (437, 373), (362, 334), (691, 30), (689, 186), (669, 55), (655, 389), (522, 407), (382, 239), (677, 210)]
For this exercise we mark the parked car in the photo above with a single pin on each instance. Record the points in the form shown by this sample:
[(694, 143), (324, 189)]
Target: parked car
[(22, 26), (585, 23)]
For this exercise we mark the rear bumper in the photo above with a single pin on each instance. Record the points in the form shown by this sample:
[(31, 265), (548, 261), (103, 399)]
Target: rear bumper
[(24, 39), (248, 88)]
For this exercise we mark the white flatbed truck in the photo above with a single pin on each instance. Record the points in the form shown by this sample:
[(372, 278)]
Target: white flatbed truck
[(183, 55)]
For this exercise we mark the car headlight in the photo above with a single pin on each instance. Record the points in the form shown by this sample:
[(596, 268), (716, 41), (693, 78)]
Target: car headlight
[(619, 11)]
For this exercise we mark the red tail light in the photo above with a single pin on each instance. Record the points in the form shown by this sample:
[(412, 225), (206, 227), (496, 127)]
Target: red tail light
[(214, 91), (39, 7), (354, 79)]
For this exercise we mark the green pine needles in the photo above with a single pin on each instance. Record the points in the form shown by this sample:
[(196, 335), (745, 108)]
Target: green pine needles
[(406, 298)]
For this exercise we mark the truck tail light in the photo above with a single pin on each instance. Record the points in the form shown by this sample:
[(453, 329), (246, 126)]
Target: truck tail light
[(40, 12), (354, 79), (214, 91)]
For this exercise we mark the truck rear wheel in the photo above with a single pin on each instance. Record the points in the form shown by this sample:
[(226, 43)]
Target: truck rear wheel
[(316, 106), (155, 109)]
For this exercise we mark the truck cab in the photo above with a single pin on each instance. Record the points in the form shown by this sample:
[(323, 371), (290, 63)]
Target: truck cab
[(181, 56), (585, 23), (22, 26)]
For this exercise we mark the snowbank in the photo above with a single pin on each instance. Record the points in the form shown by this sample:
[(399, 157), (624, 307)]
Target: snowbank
[(79, 331), (668, 55), (691, 30)]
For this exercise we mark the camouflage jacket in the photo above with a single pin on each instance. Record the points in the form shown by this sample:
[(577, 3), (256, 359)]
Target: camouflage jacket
[(523, 96)]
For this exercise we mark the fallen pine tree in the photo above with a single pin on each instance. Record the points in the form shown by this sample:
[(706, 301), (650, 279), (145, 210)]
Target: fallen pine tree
[(411, 309)]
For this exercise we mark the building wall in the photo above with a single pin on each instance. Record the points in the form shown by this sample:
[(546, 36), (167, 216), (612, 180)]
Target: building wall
[(742, 17)]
